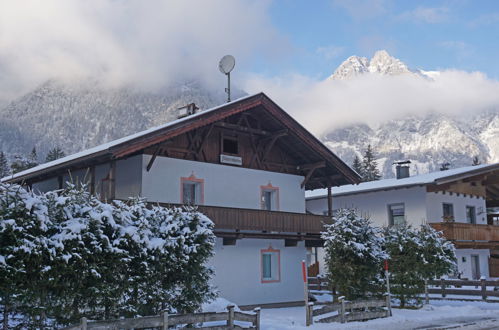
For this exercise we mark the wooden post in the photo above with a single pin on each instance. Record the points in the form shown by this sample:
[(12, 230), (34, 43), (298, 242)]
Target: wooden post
[(310, 314), (484, 288), (426, 295), (389, 304), (164, 317), (256, 324), (230, 320), (83, 323), (442, 287), (329, 201), (305, 288), (342, 309)]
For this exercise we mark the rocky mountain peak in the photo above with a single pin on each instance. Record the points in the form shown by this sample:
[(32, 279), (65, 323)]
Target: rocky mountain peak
[(381, 63)]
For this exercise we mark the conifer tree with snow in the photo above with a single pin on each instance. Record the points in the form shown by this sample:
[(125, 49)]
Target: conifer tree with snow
[(21, 163), (4, 165), (54, 154), (476, 161), (354, 254), (357, 166), (370, 170), (415, 256)]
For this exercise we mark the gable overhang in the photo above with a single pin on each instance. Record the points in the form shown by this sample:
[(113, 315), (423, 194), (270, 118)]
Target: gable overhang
[(135, 144)]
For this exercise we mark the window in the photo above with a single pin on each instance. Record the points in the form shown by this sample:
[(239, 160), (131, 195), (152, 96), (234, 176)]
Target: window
[(271, 265), (230, 145), (192, 190), (448, 211), (396, 213), (269, 197), (470, 214)]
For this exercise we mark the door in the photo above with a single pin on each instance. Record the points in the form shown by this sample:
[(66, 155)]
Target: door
[(475, 267)]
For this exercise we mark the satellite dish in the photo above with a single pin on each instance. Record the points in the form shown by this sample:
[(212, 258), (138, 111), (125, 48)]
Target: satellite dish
[(226, 64)]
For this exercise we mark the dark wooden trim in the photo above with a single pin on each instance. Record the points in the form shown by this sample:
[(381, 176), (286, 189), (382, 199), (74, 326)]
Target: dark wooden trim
[(329, 202), (242, 129), (153, 158)]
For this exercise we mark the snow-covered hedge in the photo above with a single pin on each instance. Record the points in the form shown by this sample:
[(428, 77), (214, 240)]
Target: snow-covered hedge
[(355, 250), (64, 255)]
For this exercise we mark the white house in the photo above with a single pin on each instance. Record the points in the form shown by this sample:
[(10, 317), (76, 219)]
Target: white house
[(246, 164), (454, 201)]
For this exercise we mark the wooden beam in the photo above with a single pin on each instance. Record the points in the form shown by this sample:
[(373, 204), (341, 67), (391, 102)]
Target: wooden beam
[(306, 167), (311, 172), (242, 129), (153, 158), (329, 202)]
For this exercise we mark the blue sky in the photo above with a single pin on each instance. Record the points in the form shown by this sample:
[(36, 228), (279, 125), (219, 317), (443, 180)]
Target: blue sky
[(430, 35)]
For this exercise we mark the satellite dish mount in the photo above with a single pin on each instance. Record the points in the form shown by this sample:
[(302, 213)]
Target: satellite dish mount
[(225, 66)]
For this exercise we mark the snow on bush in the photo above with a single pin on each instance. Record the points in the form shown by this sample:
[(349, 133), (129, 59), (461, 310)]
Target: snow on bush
[(65, 255), (416, 255), (354, 254)]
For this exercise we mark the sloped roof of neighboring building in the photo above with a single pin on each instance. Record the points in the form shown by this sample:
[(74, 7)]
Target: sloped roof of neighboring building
[(437, 178), (134, 143)]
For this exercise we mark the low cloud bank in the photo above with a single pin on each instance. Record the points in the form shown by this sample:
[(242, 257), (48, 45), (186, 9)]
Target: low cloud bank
[(372, 99)]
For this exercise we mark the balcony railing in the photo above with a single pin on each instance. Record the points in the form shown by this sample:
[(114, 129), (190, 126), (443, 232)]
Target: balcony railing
[(457, 231), (227, 218)]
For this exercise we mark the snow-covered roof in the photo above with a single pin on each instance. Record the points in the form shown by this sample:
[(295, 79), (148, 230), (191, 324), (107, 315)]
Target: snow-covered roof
[(439, 177), (106, 146)]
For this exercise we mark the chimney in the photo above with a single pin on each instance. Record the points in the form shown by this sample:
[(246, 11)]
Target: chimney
[(402, 169), (187, 110)]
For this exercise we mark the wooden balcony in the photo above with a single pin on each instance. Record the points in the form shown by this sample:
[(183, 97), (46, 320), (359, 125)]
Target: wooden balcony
[(230, 222), (466, 235)]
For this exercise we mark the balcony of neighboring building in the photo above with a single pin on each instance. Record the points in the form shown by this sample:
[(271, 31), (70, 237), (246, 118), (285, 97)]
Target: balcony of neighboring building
[(467, 235)]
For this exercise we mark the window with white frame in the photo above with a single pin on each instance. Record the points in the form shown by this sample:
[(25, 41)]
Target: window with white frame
[(470, 214), (269, 198), (192, 190), (271, 271), (448, 211), (396, 214)]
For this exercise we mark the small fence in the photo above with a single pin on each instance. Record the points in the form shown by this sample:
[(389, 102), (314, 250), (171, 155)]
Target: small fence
[(348, 311), (461, 288), (318, 284), (165, 320)]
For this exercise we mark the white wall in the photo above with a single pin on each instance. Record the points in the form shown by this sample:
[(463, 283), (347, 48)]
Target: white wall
[(128, 177), (374, 205), (228, 186), (434, 206), (238, 272), (464, 266)]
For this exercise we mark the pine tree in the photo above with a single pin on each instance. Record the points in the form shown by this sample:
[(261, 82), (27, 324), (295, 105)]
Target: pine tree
[(33, 158), (54, 154), (370, 166), (354, 254), (357, 166), (476, 161), (22, 163), (4, 165)]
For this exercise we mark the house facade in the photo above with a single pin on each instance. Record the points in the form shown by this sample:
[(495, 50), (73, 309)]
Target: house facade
[(454, 201), (245, 164)]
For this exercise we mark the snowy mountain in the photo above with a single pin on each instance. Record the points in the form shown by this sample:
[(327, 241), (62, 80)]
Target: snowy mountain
[(428, 141), (83, 114)]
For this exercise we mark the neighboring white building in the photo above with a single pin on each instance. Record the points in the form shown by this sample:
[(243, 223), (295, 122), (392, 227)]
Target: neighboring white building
[(454, 201), (246, 164)]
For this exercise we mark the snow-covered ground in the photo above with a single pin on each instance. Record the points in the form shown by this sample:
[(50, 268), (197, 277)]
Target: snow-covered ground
[(437, 315)]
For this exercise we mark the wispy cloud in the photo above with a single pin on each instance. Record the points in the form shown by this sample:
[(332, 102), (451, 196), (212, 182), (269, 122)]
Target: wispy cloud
[(461, 49), (486, 19), (330, 52), (362, 9), (426, 15)]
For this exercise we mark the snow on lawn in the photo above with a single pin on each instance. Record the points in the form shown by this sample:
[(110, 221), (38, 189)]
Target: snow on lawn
[(437, 314)]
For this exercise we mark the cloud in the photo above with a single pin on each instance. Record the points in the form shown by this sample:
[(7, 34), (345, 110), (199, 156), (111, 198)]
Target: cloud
[(362, 9), (330, 52), (149, 43), (461, 49), (372, 99), (486, 19), (426, 15)]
